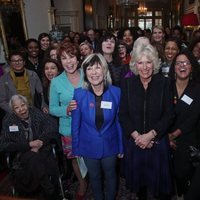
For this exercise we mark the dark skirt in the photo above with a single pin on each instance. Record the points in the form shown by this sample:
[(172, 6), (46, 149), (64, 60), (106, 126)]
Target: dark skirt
[(149, 168)]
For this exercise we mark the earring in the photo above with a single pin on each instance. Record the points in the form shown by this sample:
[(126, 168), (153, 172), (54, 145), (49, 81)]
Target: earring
[(175, 76)]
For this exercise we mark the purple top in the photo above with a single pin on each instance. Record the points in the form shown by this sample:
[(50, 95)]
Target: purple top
[(129, 74)]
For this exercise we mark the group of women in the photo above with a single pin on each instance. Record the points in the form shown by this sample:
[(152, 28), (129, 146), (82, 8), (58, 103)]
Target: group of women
[(145, 113)]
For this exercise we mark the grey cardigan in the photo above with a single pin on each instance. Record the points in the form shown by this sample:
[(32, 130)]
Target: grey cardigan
[(8, 89)]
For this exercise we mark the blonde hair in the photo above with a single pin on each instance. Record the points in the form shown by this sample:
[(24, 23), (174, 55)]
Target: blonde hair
[(149, 52), (86, 43), (159, 28), (140, 41)]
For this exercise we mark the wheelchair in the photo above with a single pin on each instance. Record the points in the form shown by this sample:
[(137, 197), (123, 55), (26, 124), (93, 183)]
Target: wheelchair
[(63, 193)]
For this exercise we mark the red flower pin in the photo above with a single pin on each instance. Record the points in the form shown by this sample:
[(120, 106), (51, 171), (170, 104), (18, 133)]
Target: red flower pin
[(91, 105)]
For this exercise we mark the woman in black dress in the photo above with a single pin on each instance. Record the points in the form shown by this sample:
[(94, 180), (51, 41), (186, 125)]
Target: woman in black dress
[(146, 113), (184, 74)]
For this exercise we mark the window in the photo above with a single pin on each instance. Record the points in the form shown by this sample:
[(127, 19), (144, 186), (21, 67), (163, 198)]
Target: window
[(132, 17), (141, 23), (158, 22), (158, 13), (149, 13), (131, 22), (145, 23), (150, 19), (149, 24)]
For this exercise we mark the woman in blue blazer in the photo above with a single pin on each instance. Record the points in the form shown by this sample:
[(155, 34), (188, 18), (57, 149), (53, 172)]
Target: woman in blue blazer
[(96, 132)]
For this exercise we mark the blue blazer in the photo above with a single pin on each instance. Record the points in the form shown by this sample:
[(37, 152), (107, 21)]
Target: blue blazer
[(87, 140)]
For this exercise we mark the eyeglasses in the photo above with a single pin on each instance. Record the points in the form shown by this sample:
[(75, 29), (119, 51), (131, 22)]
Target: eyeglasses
[(17, 61), (182, 63)]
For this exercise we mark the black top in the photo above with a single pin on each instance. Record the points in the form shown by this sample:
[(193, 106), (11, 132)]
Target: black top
[(35, 67), (143, 110), (187, 112), (99, 116), (117, 72), (19, 74)]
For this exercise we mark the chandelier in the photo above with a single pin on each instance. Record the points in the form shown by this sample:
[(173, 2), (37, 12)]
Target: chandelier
[(9, 5), (142, 9), (126, 2)]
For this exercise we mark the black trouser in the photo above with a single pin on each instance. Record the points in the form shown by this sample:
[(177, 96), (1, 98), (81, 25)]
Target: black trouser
[(194, 191)]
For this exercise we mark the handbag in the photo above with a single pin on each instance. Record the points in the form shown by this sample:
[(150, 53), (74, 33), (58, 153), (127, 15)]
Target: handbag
[(194, 155)]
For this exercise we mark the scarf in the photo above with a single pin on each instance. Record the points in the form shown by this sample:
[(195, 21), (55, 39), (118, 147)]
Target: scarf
[(22, 85)]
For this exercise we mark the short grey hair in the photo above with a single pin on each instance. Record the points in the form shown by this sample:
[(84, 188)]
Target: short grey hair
[(140, 41), (17, 97), (91, 60), (148, 51)]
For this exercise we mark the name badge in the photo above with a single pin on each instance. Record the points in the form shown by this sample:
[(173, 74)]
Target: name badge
[(165, 69), (13, 128), (106, 104), (187, 99)]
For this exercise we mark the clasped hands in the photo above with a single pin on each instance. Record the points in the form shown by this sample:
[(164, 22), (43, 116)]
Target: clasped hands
[(144, 141), (36, 145)]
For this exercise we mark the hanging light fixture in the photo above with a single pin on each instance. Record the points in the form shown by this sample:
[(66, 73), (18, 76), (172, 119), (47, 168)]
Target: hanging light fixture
[(142, 9), (5, 2), (125, 2)]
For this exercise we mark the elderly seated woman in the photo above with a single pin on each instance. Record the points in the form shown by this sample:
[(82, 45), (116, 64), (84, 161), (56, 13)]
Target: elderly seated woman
[(27, 132)]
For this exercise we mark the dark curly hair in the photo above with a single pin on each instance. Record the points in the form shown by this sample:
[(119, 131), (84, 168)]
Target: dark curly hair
[(195, 66), (115, 55)]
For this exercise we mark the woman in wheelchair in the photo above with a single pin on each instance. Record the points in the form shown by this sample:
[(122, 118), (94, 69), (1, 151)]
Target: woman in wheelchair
[(27, 133)]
